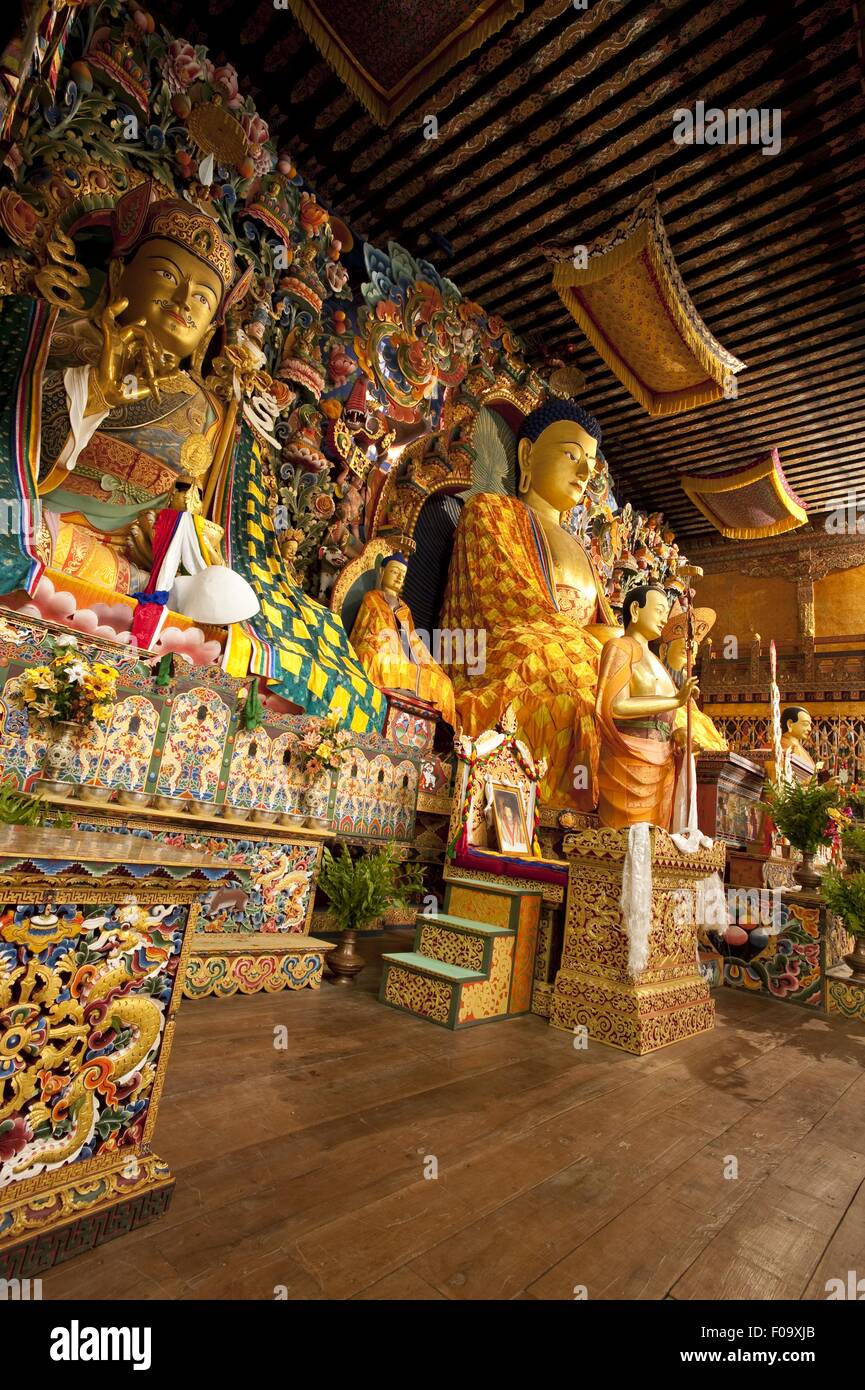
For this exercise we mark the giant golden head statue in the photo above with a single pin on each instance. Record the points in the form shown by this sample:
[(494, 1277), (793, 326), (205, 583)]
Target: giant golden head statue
[(176, 269), (557, 454)]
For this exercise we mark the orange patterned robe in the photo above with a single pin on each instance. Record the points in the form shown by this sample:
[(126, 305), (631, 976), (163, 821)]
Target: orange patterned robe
[(377, 637), (537, 657)]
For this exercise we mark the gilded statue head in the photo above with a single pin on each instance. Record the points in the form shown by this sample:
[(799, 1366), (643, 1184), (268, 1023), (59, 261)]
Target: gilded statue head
[(646, 609), (175, 268), (393, 573), (557, 454), (796, 722)]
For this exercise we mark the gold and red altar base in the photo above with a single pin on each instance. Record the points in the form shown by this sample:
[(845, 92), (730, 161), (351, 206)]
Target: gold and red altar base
[(670, 1001)]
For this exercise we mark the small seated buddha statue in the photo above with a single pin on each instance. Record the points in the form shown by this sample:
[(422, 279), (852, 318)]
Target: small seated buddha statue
[(391, 650), (124, 411), (636, 706), (521, 578)]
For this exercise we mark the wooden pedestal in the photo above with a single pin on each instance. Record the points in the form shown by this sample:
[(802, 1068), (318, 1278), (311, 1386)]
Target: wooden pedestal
[(670, 1001)]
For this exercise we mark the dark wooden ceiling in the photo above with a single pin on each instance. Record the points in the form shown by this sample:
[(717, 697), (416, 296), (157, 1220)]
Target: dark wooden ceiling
[(552, 131)]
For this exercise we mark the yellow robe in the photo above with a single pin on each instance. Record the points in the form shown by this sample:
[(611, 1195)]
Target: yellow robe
[(376, 640), (537, 658)]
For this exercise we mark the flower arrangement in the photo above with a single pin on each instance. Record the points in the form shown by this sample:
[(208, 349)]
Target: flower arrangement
[(808, 815), (323, 746), (67, 689)]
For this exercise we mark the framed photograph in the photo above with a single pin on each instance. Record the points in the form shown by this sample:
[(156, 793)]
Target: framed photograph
[(510, 820)]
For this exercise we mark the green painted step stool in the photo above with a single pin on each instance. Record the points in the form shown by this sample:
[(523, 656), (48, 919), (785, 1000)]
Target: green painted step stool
[(472, 963)]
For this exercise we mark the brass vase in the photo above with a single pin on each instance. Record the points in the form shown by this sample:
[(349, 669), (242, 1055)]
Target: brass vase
[(806, 875), (345, 961), (856, 958)]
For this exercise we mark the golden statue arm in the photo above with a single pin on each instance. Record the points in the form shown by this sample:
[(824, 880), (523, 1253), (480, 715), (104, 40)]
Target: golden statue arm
[(627, 706)]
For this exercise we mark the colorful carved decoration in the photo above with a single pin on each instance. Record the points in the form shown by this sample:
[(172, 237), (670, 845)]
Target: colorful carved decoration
[(226, 965), (417, 335)]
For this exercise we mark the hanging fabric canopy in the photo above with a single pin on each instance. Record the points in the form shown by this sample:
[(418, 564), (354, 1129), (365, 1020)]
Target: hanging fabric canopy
[(388, 54), (629, 299), (748, 503)]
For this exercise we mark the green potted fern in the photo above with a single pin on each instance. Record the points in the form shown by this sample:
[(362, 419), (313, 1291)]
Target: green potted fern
[(360, 890), (20, 808), (844, 894), (803, 814), (853, 844)]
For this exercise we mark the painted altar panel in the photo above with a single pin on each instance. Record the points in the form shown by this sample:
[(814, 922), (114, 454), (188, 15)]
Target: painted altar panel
[(129, 744), (22, 748), (194, 745), (282, 874), (788, 967), (251, 777), (183, 739), (376, 796), (86, 990)]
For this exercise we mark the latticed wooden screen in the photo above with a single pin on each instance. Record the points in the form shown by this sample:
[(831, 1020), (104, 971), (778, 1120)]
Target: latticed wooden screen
[(838, 741)]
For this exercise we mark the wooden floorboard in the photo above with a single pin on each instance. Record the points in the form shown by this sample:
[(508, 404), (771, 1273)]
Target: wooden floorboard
[(302, 1171)]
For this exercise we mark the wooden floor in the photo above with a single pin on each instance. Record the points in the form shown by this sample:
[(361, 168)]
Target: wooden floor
[(303, 1168)]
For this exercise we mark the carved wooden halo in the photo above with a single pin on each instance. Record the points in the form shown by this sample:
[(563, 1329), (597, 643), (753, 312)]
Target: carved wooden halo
[(372, 557), (402, 500)]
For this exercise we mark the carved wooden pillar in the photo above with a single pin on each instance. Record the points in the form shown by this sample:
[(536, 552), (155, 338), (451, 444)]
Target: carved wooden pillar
[(805, 620)]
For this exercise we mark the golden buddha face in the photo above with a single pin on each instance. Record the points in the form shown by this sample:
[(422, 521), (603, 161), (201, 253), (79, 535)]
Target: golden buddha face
[(393, 577), (174, 292), (558, 465), (651, 619), (800, 728)]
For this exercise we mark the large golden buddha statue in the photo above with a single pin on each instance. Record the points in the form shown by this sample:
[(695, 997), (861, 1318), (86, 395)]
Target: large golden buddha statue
[(518, 576), (124, 411)]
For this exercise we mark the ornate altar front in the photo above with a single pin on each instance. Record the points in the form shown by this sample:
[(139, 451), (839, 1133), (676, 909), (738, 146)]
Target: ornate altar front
[(729, 792), (670, 999), (95, 934)]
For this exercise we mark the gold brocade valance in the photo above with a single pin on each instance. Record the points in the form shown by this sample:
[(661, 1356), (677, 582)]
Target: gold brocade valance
[(629, 299), (388, 54), (749, 503)]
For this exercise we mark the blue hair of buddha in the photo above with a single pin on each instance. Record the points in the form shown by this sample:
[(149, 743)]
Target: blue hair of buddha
[(558, 409), (397, 558)]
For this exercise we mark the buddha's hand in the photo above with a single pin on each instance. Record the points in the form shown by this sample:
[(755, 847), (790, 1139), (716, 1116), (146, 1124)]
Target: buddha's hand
[(689, 691), (127, 369), (139, 540)]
